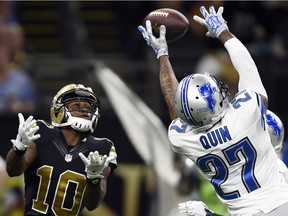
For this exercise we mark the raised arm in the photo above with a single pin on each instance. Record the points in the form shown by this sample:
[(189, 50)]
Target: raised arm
[(248, 73), (168, 84), (168, 80), (23, 153), (239, 55)]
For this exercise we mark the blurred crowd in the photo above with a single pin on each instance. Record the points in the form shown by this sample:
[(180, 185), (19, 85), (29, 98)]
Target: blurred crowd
[(16, 85), (16, 95), (260, 25)]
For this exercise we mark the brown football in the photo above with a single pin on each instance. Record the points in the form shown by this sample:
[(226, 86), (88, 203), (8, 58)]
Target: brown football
[(175, 22)]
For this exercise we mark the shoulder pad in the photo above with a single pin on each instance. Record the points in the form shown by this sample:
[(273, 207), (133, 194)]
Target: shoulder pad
[(45, 123), (103, 139)]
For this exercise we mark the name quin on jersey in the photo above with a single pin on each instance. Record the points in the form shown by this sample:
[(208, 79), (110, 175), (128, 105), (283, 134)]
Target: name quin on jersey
[(215, 137)]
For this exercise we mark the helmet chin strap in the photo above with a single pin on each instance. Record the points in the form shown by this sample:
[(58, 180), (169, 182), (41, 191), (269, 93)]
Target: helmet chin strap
[(81, 124)]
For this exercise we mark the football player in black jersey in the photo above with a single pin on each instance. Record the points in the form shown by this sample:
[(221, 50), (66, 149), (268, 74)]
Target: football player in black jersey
[(64, 166)]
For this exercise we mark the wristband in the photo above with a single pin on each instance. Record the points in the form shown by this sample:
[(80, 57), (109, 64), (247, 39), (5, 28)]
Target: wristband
[(162, 52), (93, 181), (18, 152)]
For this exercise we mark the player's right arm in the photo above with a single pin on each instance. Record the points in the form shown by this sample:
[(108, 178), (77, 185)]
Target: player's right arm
[(23, 153), (168, 80), (168, 84), (17, 164), (249, 77)]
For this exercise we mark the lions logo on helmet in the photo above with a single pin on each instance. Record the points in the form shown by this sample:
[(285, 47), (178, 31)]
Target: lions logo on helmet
[(61, 116), (275, 129), (207, 91), (201, 100)]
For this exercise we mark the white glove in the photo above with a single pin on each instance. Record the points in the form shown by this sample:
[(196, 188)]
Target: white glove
[(213, 22), (195, 208), (95, 164), (26, 133), (159, 45)]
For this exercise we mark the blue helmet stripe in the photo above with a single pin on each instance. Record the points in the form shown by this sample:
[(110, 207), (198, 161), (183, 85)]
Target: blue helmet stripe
[(184, 101), (262, 110)]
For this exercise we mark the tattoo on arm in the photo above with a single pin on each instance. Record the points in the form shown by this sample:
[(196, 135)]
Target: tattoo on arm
[(168, 83)]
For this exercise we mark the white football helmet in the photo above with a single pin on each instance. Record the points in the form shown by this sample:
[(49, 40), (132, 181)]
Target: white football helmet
[(62, 117), (275, 129), (201, 100)]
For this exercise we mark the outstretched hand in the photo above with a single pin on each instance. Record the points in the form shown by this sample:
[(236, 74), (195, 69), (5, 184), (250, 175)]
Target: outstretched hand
[(159, 45), (214, 22), (26, 133), (95, 164)]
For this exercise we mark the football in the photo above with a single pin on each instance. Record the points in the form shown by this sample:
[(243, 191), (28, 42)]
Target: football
[(175, 22)]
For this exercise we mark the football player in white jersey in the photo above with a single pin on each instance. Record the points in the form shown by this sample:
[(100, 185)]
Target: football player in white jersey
[(276, 133), (228, 141)]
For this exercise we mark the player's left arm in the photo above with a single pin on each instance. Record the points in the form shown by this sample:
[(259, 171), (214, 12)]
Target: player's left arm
[(97, 169), (95, 193), (249, 77)]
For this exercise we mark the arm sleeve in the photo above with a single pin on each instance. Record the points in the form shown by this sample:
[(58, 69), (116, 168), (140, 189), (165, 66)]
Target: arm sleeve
[(245, 66)]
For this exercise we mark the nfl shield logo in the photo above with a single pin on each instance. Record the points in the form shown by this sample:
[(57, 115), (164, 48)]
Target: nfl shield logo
[(68, 157)]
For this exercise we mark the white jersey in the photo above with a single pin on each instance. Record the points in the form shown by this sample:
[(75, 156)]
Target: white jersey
[(236, 156), (283, 169)]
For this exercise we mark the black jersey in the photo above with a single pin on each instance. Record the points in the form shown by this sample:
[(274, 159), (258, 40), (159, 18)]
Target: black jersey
[(55, 183)]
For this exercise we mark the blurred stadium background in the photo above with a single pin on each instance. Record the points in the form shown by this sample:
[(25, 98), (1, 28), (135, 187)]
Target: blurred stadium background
[(73, 41)]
